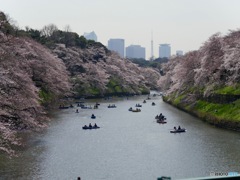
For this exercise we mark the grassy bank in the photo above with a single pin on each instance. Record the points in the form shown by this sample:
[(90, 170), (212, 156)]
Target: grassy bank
[(221, 115)]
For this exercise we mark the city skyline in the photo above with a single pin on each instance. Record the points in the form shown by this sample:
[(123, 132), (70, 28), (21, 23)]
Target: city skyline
[(164, 50), (184, 24), (135, 51), (90, 36), (117, 45)]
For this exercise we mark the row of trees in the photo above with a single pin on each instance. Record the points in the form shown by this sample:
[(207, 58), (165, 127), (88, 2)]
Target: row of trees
[(215, 64), (30, 76), (33, 76), (145, 63), (48, 35)]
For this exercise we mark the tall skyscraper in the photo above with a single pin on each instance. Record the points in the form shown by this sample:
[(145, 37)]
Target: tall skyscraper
[(152, 56), (90, 36), (179, 53), (164, 51), (135, 51), (117, 45)]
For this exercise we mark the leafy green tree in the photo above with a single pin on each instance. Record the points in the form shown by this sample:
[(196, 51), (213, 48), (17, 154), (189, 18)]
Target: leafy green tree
[(6, 27), (35, 34), (81, 42)]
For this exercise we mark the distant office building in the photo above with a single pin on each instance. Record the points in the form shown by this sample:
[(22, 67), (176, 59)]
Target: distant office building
[(117, 45), (135, 51), (179, 53), (164, 51), (90, 36)]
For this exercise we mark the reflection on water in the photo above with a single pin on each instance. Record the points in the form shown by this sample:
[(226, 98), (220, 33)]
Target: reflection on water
[(127, 146)]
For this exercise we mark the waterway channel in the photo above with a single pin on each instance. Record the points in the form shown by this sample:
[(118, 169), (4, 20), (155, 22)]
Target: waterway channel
[(127, 145)]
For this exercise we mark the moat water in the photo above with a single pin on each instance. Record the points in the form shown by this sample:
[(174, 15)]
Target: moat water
[(127, 146)]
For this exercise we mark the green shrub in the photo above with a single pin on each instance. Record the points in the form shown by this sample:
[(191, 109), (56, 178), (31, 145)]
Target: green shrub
[(221, 111), (233, 90), (178, 99), (45, 96)]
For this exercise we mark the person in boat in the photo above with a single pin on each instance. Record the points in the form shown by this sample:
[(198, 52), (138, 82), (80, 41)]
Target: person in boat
[(85, 126), (160, 116), (90, 125), (175, 128), (179, 128), (95, 125)]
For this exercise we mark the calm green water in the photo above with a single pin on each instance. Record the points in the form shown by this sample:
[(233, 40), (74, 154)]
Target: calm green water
[(128, 146)]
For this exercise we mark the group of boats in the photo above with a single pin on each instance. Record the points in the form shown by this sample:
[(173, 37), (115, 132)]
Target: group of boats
[(83, 106), (139, 105), (90, 126), (153, 103), (65, 107), (137, 108), (161, 119)]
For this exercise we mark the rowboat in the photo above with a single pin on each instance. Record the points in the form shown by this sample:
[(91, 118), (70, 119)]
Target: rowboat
[(93, 127), (178, 130), (136, 110), (161, 121)]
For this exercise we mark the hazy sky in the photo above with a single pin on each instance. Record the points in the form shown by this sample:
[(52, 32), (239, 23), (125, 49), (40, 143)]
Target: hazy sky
[(185, 24)]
